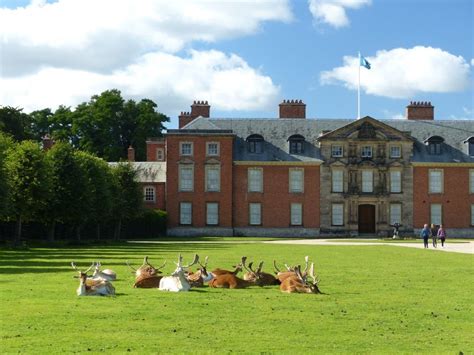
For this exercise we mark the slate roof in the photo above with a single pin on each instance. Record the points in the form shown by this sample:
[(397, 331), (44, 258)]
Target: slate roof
[(276, 132)]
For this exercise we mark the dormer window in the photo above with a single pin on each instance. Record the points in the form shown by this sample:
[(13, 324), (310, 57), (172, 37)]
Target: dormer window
[(255, 143), (366, 152), (434, 145), (296, 144), (470, 146)]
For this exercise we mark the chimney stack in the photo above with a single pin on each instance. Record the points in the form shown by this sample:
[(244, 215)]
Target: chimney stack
[(417, 110), (47, 142), (131, 154), (292, 109), (198, 108)]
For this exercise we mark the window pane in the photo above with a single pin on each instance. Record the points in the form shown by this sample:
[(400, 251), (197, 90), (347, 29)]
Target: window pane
[(149, 194), (255, 214), (395, 213), (472, 181), (395, 181), (296, 214), (337, 214), (212, 149), (296, 180), (472, 215), (185, 213), (212, 178), (367, 152), (336, 151), (367, 181), (186, 149), (395, 152), (337, 181), (160, 154), (186, 178), (436, 181), (212, 217), (436, 214), (255, 177)]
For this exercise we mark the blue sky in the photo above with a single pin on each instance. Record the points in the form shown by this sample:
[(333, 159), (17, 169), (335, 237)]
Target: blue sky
[(242, 56)]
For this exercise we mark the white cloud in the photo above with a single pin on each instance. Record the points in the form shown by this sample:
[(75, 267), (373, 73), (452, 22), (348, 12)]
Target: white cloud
[(226, 81), (102, 35), (333, 12), (403, 73), (472, 62)]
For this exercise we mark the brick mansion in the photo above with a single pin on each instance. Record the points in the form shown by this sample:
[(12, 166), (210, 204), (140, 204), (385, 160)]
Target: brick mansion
[(293, 176)]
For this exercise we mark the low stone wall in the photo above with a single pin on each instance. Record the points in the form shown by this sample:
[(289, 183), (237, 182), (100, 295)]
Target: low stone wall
[(199, 232), (276, 232)]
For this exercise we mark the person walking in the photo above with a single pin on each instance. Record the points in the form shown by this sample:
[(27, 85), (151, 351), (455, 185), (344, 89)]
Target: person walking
[(442, 235), (425, 234), (434, 235)]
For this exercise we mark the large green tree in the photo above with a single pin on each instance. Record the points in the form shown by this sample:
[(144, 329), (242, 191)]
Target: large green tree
[(29, 183), (5, 144), (15, 123)]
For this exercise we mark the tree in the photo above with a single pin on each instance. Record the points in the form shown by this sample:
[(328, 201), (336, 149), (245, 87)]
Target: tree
[(5, 144), (15, 123), (29, 183), (127, 195), (40, 123)]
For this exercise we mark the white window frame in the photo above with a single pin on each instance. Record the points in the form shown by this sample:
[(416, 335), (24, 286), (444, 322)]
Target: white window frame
[(435, 217), (399, 151), (395, 213), (208, 186), (153, 194), (395, 183), (185, 213), (213, 154), (181, 148), (296, 214), (182, 185), (255, 214), (337, 180), (472, 215), (255, 180), (366, 151), (367, 185), (160, 151), (337, 214), (471, 181), (432, 183), (337, 151), (212, 213), (296, 186)]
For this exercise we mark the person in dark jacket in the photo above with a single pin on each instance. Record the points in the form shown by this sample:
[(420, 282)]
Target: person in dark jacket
[(425, 234), (442, 235), (434, 235)]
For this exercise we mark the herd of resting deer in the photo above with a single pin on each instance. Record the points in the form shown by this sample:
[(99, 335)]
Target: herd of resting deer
[(293, 279)]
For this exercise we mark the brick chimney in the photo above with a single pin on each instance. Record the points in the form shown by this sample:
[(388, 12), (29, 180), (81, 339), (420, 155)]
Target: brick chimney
[(47, 142), (131, 154), (292, 109), (198, 108), (420, 111)]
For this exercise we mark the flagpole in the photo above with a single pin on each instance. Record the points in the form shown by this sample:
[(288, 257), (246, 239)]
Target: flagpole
[(358, 92)]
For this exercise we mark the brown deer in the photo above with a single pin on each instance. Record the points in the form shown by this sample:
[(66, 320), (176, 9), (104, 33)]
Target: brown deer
[(198, 278), (290, 271), (229, 281), (237, 269), (92, 287), (259, 277), (146, 276), (299, 283)]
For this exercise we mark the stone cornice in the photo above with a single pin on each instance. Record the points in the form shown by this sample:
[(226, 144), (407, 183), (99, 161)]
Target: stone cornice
[(278, 163)]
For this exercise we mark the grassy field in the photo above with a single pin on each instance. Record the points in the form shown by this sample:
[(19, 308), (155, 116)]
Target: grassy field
[(378, 300)]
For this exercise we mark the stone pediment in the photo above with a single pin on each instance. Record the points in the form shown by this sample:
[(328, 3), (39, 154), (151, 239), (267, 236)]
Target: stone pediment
[(366, 128), (186, 161), (212, 161)]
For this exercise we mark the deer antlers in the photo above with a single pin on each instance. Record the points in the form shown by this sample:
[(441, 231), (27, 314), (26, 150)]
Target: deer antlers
[(73, 264), (180, 261)]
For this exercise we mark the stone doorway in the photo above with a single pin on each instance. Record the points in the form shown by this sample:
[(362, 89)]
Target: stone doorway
[(366, 219)]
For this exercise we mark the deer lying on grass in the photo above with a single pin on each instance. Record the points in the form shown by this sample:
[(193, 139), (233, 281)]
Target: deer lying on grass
[(230, 280), (290, 271), (298, 283), (198, 278), (107, 274), (146, 276), (177, 282), (259, 277), (237, 269), (93, 287)]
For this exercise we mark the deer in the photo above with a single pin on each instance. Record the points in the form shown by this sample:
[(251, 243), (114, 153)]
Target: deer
[(177, 282), (229, 279), (107, 274), (260, 278), (198, 278), (300, 284), (282, 275), (237, 269), (146, 276), (92, 287)]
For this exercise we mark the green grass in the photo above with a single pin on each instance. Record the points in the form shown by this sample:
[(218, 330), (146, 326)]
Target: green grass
[(378, 300)]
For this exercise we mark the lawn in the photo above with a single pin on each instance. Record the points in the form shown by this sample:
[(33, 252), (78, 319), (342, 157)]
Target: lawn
[(378, 300)]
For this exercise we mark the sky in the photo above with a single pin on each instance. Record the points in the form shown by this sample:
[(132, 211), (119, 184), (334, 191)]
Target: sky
[(242, 56)]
